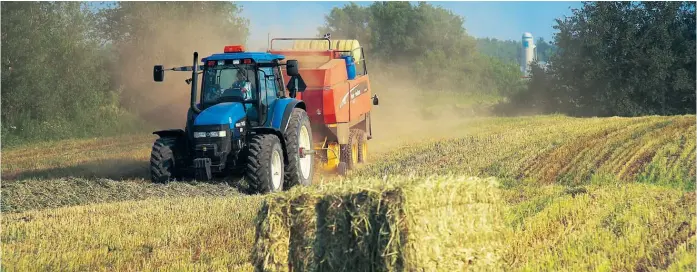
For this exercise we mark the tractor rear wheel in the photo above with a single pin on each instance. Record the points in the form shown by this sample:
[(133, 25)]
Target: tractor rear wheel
[(164, 161), (264, 169), (298, 136)]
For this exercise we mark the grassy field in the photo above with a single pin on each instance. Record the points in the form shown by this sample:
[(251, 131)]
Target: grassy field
[(579, 194)]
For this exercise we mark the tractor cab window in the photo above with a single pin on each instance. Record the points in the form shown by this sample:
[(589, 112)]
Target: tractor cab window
[(228, 83), (268, 88)]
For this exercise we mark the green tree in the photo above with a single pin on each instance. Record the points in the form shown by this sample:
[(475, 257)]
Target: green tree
[(623, 58), (53, 85), (506, 51), (544, 49), (349, 22)]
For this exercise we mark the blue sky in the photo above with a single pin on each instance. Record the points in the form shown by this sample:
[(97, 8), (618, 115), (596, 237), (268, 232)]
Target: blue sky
[(495, 19), (501, 20)]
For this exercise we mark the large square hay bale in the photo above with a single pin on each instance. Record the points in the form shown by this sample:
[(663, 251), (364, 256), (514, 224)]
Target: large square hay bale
[(442, 223)]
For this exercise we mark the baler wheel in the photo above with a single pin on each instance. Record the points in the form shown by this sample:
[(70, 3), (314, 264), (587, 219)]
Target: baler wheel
[(341, 168), (362, 146), (349, 152), (354, 153), (264, 171)]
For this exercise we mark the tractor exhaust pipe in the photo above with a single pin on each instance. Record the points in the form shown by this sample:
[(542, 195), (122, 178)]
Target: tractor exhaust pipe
[(194, 84)]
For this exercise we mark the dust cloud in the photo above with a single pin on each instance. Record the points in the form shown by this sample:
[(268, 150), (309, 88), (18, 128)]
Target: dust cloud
[(165, 104), (397, 120)]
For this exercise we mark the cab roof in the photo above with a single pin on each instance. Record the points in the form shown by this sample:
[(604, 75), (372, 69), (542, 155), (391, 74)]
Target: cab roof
[(256, 56)]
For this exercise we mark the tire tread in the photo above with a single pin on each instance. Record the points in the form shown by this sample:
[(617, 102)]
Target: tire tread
[(257, 172)]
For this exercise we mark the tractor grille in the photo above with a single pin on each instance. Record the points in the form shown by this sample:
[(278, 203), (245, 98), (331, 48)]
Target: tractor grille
[(214, 148)]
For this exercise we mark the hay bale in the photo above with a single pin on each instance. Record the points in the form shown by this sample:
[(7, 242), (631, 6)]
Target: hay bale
[(302, 232), (353, 232), (454, 224), (272, 242), (439, 223)]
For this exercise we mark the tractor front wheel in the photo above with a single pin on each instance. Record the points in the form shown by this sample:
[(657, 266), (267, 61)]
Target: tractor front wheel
[(264, 169), (163, 161)]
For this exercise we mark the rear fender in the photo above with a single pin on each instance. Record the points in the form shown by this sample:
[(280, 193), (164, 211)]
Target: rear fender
[(282, 110), (278, 133), (180, 135), (171, 133), (288, 111)]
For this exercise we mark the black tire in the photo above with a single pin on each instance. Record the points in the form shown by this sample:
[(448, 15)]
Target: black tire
[(293, 172), (341, 169), (362, 139), (347, 153), (164, 162), (259, 160)]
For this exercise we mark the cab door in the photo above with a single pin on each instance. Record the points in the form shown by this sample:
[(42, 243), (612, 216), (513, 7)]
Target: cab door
[(268, 92)]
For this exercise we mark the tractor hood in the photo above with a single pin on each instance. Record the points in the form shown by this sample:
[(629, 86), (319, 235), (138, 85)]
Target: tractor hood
[(220, 114)]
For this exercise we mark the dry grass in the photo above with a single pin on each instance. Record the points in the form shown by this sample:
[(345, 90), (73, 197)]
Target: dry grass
[(580, 194), (583, 194), (35, 194), (557, 150), (198, 233), (628, 227), (369, 225), (119, 158)]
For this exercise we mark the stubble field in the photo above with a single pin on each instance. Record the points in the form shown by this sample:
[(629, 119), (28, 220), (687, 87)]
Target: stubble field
[(612, 194)]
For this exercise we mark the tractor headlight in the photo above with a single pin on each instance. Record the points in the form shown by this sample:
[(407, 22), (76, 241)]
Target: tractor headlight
[(221, 133), (239, 124)]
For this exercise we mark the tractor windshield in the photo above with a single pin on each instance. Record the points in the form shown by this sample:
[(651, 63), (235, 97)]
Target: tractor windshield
[(228, 83)]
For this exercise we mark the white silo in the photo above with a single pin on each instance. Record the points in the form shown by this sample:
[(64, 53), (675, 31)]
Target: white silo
[(528, 53)]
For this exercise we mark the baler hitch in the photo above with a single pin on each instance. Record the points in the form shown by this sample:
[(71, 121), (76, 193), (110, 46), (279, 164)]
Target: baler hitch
[(302, 152)]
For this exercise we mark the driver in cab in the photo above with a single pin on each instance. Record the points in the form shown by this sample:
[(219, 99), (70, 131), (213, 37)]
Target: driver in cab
[(242, 87)]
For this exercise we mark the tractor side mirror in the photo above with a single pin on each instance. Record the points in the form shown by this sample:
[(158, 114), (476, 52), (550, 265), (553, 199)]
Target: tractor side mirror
[(296, 84), (292, 68), (376, 101), (158, 73)]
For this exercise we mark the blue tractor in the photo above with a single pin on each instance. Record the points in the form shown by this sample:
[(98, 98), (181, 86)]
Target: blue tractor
[(244, 121)]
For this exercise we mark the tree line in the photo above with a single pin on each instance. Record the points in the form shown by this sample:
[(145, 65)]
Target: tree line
[(617, 59), (71, 70), (607, 59)]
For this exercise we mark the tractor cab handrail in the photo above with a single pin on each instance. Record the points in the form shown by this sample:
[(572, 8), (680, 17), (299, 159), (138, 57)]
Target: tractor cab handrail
[(301, 39)]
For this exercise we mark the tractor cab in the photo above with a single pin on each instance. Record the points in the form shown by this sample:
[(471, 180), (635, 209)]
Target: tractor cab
[(235, 76)]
